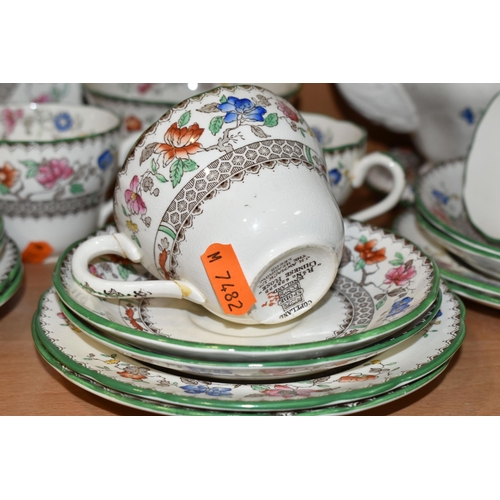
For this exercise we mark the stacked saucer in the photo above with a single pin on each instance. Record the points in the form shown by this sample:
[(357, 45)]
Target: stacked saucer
[(11, 268), (441, 227), (387, 327)]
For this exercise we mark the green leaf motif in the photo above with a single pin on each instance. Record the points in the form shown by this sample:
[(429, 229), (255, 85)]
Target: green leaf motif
[(379, 304), (3, 189), (30, 163), (136, 239), (160, 177), (76, 188), (154, 167), (189, 165), (396, 262), (184, 119), (271, 120), (216, 124), (176, 171), (223, 99), (123, 272), (363, 239), (124, 211), (359, 265)]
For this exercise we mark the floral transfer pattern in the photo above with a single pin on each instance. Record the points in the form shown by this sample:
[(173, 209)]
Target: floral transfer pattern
[(425, 351)]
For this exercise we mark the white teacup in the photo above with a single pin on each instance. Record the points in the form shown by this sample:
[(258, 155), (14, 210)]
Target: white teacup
[(56, 163), (344, 148), (234, 166)]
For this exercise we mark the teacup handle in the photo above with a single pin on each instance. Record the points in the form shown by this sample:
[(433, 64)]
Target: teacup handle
[(119, 244), (358, 176)]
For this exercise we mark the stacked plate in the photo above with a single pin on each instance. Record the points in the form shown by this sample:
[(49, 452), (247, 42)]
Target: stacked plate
[(387, 327), (11, 269), (439, 224)]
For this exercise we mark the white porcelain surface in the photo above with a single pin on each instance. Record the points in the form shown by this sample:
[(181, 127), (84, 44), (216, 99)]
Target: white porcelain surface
[(439, 198), (344, 147), (235, 166), (383, 284), (407, 362), (482, 174), (451, 269), (440, 116), (41, 92), (56, 163), (162, 408), (252, 370)]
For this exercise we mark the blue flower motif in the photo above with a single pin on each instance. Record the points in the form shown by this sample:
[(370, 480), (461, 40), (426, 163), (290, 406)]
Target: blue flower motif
[(399, 306), (105, 160), (439, 314), (63, 122), (335, 176), (209, 391), (440, 196), (318, 134), (468, 115), (245, 108)]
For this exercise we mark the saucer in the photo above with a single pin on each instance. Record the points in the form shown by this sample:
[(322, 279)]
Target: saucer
[(439, 198), (451, 269), (10, 263), (253, 370), (475, 296), (384, 283), (161, 408), (12, 287), (485, 262), (405, 363)]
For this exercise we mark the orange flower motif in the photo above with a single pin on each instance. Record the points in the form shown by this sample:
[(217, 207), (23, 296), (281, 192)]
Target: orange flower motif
[(132, 123), (180, 142), (356, 378), (367, 253), (8, 175), (132, 375), (36, 252)]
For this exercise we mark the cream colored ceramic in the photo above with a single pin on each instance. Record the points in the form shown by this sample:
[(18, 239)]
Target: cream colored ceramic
[(56, 163), (162, 408), (409, 361), (235, 166), (453, 270), (344, 147), (141, 104), (251, 370), (482, 174), (41, 93), (439, 198), (384, 284), (440, 116)]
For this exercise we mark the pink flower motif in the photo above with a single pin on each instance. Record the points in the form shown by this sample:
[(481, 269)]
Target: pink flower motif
[(142, 88), (287, 111), (42, 98), (400, 275), (93, 270), (133, 198), (285, 391), (52, 171), (9, 118)]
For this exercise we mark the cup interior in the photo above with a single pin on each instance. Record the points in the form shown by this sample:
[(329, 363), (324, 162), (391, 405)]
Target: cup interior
[(41, 123)]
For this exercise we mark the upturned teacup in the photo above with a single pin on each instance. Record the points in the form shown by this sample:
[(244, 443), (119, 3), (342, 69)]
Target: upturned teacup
[(225, 201), (344, 148), (56, 163)]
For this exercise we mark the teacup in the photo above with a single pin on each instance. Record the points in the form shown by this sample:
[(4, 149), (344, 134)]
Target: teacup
[(344, 148), (56, 163), (225, 201)]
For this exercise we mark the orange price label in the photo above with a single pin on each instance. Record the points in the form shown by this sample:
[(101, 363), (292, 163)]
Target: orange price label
[(227, 279)]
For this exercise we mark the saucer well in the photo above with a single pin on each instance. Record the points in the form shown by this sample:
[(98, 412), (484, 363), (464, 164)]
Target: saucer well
[(396, 367), (161, 408), (253, 370), (384, 283)]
